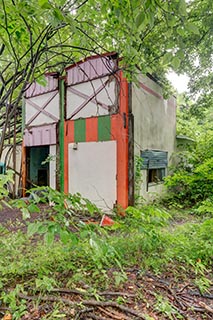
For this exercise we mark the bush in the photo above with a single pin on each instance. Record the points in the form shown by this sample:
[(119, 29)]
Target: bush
[(192, 180)]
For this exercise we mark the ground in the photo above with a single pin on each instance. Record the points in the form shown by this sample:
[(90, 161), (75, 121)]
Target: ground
[(143, 295)]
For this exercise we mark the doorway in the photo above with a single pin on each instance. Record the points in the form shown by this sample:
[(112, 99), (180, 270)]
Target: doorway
[(37, 167)]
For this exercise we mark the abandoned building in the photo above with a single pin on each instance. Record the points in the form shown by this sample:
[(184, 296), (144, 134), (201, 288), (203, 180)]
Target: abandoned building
[(85, 131)]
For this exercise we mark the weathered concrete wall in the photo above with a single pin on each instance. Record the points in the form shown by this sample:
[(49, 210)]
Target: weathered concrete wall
[(154, 124)]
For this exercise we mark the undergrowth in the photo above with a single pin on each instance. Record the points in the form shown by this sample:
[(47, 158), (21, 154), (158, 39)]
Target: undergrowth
[(61, 249)]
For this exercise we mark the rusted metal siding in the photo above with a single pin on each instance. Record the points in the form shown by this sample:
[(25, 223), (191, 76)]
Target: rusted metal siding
[(90, 69), (39, 136)]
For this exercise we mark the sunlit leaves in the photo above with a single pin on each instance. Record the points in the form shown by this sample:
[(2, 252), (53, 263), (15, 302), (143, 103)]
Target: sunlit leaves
[(152, 35), (175, 62), (44, 4), (182, 7), (191, 27)]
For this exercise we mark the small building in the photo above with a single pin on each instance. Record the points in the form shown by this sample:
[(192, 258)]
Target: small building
[(83, 132)]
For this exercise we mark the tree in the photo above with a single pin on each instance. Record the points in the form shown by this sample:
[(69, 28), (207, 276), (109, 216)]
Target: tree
[(43, 35), (198, 57)]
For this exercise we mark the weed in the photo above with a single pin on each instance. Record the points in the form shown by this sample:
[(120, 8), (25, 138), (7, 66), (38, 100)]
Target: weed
[(45, 283), (97, 257), (18, 308), (5, 181), (55, 314), (163, 306), (203, 284), (139, 200), (120, 277)]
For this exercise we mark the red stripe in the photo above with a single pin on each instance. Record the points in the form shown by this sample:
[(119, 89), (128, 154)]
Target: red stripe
[(91, 129), (68, 138), (147, 89)]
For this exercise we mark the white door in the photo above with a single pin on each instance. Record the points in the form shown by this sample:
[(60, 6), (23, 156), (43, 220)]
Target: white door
[(92, 171)]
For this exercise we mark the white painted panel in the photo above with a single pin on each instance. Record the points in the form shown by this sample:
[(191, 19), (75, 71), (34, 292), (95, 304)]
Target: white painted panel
[(92, 172), (53, 106), (41, 117), (107, 96), (53, 166)]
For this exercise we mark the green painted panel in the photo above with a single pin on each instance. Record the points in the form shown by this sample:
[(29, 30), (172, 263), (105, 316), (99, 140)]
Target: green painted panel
[(80, 130), (104, 128)]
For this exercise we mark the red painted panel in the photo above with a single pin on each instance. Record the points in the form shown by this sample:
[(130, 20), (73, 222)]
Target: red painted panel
[(69, 131), (119, 132), (92, 129), (68, 138)]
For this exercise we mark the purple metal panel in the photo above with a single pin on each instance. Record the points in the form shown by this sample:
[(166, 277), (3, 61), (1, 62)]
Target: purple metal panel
[(36, 89), (40, 136), (90, 69)]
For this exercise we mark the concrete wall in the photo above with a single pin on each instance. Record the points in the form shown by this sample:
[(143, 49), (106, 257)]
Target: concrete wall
[(154, 125)]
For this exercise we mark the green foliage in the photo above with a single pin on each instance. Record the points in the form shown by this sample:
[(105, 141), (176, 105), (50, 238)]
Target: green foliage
[(139, 200), (203, 283), (17, 308), (163, 306), (61, 216), (5, 180), (101, 256), (192, 180), (205, 207), (190, 188), (191, 244), (45, 283)]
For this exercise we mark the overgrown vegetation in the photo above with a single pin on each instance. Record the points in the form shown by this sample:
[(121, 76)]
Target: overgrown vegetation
[(191, 184), (59, 246), (66, 248)]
